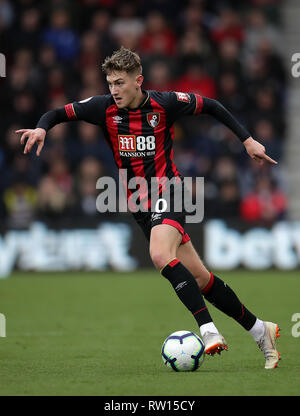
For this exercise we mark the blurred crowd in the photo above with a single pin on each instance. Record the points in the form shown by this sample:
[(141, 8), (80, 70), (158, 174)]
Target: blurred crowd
[(227, 50)]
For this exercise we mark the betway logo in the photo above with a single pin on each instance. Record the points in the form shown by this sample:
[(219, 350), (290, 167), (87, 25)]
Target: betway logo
[(75, 249), (258, 248)]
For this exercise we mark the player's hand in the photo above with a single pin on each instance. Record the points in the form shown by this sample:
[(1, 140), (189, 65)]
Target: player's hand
[(257, 151), (33, 136)]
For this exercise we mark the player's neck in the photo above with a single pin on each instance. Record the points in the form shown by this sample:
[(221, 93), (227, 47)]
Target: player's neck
[(138, 100)]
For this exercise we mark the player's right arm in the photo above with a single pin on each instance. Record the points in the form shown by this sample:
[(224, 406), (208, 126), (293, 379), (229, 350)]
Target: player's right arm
[(91, 110)]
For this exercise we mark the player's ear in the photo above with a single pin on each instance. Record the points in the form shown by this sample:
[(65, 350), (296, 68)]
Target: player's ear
[(139, 80)]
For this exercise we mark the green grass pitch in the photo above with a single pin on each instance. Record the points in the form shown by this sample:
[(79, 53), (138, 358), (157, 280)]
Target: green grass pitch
[(101, 334)]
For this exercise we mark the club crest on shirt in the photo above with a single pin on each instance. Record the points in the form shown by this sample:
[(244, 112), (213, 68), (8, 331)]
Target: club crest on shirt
[(153, 119)]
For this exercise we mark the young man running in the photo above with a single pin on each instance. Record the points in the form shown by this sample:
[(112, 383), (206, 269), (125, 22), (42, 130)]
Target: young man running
[(137, 127)]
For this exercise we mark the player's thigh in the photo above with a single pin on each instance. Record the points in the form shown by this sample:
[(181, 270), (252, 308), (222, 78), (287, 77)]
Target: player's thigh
[(189, 257), (164, 241)]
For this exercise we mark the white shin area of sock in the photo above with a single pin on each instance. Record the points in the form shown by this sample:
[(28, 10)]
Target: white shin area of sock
[(258, 329)]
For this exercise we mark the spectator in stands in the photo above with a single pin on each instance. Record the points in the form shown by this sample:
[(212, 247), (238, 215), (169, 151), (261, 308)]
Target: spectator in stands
[(100, 23), (158, 37), (230, 94), (276, 72), (20, 203), (61, 36), (92, 81), (159, 77), (265, 204), (56, 146), (259, 28), (224, 170), (126, 22), (55, 190), (46, 58), (90, 52), (89, 171), (89, 141), (268, 107), (27, 33), (193, 18), (24, 108), (56, 83), (264, 129), (228, 202), (196, 79), (6, 13), (228, 26), (192, 46), (229, 58), (11, 144)]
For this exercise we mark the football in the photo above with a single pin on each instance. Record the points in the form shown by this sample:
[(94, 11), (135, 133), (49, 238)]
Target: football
[(183, 351)]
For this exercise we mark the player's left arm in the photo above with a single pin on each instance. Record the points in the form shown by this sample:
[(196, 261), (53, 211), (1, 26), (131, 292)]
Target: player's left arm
[(254, 149)]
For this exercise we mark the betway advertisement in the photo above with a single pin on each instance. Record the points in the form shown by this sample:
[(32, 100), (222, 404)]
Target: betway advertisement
[(121, 246), (257, 248)]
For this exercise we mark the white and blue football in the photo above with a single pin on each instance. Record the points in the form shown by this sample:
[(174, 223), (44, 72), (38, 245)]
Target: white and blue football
[(183, 351)]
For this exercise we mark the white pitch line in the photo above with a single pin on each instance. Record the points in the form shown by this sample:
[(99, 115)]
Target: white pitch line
[(2, 325)]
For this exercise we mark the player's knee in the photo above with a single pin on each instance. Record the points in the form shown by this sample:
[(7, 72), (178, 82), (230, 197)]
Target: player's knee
[(160, 259)]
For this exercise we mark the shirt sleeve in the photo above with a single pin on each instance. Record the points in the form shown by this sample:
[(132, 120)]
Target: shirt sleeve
[(180, 104), (220, 113), (91, 110)]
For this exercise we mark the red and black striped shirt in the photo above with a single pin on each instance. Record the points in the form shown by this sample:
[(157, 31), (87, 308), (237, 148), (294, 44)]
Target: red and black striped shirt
[(141, 139)]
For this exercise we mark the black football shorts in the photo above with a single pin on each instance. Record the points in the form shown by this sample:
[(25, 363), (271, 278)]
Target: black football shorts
[(147, 220)]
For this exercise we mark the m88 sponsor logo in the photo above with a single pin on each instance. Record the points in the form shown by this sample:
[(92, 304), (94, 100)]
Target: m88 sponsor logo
[(139, 146)]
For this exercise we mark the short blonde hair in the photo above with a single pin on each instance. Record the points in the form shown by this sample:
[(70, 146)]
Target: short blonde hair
[(122, 60)]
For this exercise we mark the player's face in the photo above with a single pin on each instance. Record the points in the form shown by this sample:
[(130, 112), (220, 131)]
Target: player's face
[(125, 88)]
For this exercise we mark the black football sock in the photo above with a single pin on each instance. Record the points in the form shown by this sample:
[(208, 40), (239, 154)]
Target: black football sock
[(223, 297), (187, 290)]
